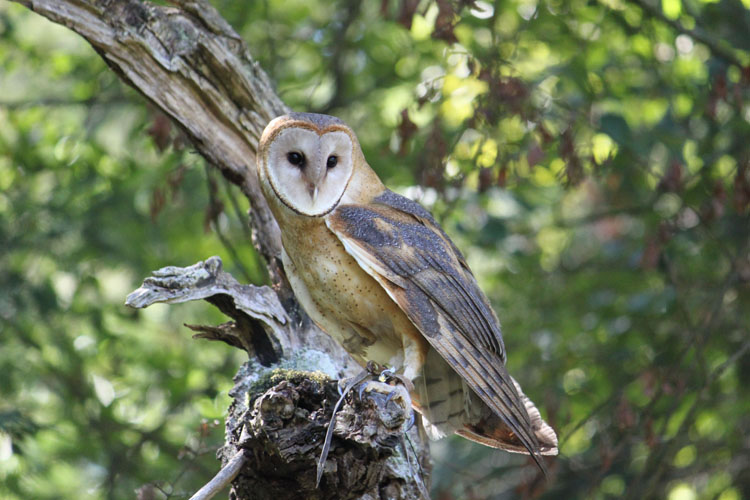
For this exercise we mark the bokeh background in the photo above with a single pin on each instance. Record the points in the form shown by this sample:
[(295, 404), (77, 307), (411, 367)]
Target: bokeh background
[(591, 158)]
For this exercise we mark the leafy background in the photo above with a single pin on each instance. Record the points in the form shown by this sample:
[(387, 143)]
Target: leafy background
[(591, 158)]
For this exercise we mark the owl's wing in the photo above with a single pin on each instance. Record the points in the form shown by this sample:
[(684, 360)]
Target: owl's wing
[(399, 244)]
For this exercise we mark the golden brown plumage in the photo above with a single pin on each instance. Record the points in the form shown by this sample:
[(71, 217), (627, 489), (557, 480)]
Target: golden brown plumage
[(377, 273)]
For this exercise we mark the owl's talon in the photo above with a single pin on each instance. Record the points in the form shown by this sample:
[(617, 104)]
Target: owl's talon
[(389, 397), (386, 374)]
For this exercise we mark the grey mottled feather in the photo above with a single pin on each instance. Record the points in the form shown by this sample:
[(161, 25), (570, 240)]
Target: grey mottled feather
[(320, 121), (400, 244)]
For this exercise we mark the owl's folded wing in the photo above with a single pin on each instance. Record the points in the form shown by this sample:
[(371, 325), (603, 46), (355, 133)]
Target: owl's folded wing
[(399, 244)]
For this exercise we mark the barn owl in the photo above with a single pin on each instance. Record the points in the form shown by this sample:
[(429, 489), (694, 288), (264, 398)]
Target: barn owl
[(376, 272)]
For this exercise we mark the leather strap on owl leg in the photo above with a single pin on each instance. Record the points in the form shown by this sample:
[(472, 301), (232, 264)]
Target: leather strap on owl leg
[(380, 387), (357, 379)]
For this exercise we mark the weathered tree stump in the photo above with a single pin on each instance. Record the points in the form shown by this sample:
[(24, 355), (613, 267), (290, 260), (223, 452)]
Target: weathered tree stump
[(284, 396), (282, 430)]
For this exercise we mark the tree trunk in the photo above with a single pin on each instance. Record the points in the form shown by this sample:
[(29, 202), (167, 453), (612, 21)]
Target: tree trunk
[(196, 69)]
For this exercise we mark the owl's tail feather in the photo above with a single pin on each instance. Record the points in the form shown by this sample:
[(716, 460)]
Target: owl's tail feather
[(449, 406), (490, 430)]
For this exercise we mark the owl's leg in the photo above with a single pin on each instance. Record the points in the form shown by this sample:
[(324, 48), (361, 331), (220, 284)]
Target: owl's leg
[(389, 390), (392, 401), (394, 408)]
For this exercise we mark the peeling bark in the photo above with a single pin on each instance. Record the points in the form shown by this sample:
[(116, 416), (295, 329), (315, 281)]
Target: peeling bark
[(196, 69)]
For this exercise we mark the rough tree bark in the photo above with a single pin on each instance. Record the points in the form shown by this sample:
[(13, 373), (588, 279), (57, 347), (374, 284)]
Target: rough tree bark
[(280, 413), (194, 67)]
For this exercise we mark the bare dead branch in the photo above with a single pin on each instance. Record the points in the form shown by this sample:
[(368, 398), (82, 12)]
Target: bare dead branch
[(221, 480), (262, 327)]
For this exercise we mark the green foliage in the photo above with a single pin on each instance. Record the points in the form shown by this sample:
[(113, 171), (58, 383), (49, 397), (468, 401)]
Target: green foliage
[(590, 158)]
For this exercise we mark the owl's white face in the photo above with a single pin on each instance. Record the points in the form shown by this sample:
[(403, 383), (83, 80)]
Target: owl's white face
[(309, 172)]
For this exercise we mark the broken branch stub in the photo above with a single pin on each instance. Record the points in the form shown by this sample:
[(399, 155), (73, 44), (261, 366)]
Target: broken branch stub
[(261, 326), (261, 322), (282, 428)]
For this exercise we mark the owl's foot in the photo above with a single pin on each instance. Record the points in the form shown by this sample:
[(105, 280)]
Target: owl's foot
[(388, 376), (398, 392), (393, 401), (377, 372), (388, 386), (397, 396)]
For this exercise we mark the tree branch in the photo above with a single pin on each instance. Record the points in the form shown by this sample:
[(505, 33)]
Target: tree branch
[(261, 325), (192, 66), (221, 480)]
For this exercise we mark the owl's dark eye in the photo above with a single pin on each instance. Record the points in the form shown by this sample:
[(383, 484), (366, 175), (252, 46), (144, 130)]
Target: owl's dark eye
[(296, 158), (332, 161)]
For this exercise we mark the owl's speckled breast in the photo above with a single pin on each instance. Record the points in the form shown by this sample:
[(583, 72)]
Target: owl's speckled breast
[(341, 297)]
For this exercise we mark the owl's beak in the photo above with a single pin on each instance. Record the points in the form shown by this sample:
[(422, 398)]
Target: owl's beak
[(314, 174)]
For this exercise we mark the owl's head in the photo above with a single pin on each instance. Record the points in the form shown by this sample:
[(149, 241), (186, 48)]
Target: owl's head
[(307, 160)]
